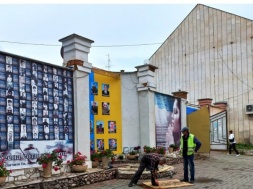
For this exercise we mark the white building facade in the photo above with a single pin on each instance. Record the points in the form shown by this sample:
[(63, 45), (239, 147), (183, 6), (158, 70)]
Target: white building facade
[(210, 55)]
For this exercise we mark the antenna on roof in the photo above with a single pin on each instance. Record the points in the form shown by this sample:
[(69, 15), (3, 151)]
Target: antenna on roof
[(108, 62)]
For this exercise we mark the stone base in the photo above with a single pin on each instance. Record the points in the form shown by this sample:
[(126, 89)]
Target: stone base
[(128, 171), (65, 180)]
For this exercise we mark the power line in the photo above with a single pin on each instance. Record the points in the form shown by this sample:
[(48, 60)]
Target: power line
[(237, 77), (23, 43), (143, 44), (42, 44)]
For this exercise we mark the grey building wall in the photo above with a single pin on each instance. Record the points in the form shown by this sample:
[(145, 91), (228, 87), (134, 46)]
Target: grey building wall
[(210, 55), (130, 110)]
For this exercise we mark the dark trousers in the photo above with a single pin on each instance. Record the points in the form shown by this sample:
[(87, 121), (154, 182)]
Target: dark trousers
[(189, 161), (234, 148), (145, 164)]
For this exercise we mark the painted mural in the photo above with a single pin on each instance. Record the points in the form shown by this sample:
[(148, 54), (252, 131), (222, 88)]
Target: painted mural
[(36, 105), (167, 120)]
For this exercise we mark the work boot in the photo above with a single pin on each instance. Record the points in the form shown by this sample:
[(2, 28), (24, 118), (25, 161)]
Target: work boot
[(130, 184), (184, 180)]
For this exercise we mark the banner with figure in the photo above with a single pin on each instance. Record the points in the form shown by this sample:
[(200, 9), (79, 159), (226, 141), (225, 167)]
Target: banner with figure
[(167, 120)]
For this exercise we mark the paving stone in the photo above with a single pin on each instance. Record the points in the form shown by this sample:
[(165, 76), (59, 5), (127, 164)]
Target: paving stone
[(220, 171)]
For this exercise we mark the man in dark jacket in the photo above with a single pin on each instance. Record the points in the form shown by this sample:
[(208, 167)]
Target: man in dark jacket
[(188, 145), (149, 161)]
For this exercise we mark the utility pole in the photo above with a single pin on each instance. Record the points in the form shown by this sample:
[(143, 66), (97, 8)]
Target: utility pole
[(108, 62)]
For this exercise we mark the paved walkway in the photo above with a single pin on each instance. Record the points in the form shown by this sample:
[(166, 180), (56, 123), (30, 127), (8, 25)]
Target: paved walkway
[(220, 171)]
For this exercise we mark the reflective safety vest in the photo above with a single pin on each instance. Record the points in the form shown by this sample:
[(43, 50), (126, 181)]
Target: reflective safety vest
[(191, 145)]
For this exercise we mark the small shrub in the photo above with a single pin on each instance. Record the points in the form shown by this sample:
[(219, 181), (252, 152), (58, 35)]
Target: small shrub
[(132, 153), (121, 157)]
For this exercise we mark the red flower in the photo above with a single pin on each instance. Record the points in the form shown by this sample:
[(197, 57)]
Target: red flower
[(68, 161), (56, 168), (57, 150), (44, 165)]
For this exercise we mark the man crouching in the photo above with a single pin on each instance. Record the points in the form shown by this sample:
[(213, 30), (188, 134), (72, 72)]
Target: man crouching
[(149, 161)]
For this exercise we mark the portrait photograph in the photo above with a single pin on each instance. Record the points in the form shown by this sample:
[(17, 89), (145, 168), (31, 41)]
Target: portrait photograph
[(100, 144), (105, 90), (105, 108), (8, 60), (94, 88), (100, 127), (91, 145), (91, 126), (112, 144), (22, 63), (8, 68), (111, 126), (94, 107)]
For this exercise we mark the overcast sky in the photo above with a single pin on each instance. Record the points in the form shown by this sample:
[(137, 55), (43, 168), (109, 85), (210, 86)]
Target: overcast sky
[(108, 24)]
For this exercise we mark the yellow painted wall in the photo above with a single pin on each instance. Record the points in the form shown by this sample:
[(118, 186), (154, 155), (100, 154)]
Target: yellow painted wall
[(199, 125), (115, 109)]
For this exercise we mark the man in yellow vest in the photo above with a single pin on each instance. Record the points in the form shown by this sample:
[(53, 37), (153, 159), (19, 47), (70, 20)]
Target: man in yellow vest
[(188, 145)]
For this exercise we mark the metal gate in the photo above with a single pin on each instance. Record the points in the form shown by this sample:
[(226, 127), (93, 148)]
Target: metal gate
[(219, 131)]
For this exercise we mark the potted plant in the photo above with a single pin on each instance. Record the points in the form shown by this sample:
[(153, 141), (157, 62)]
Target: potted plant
[(3, 171), (160, 150), (106, 155), (148, 149), (94, 156), (121, 157), (49, 160), (77, 164), (172, 147), (132, 155), (137, 148)]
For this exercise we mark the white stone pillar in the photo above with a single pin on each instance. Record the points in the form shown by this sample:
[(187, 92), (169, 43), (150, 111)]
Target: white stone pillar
[(146, 91), (75, 54)]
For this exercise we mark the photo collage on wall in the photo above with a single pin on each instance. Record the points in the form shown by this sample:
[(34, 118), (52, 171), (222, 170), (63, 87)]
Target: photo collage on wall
[(101, 125), (105, 106), (35, 102)]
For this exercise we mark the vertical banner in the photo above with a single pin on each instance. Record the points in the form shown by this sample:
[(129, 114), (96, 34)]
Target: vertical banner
[(36, 111), (167, 120)]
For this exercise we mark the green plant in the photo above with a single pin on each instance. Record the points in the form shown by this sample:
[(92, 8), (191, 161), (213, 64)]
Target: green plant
[(106, 153), (244, 146), (121, 157), (132, 152), (45, 158), (148, 149), (78, 159), (174, 146), (3, 171), (94, 156), (241, 152), (160, 150)]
